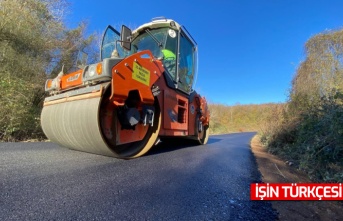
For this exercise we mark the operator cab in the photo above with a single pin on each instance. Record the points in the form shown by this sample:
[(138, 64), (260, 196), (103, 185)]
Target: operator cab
[(168, 42)]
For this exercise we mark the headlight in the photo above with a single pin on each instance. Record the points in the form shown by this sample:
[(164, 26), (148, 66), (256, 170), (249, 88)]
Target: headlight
[(95, 72), (99, 72), (91, 71)]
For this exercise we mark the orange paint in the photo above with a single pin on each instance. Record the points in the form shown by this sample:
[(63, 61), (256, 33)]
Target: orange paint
[(124, 80), (128, 136), (175, 111), (140, 72), (71, 80)]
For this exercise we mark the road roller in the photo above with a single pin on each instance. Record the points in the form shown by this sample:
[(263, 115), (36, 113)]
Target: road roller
[(139, 93)]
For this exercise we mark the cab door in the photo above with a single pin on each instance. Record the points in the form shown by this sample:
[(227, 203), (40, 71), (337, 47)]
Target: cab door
[(111, 42), (186, 63)]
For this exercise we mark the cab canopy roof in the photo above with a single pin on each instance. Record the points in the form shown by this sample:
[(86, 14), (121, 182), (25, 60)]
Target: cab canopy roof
[(157, 23)]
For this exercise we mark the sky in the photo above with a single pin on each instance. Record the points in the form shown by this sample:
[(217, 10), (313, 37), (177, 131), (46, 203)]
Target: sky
[(249, 50)]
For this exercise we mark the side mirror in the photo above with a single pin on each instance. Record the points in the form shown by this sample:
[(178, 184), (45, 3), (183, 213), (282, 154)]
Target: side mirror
[(125, 37)]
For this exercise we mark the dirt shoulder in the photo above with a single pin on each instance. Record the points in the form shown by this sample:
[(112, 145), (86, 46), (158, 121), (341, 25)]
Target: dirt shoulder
[(274, 170)]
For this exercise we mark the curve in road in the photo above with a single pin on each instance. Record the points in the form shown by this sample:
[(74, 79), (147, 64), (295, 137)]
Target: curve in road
[(42, 181)]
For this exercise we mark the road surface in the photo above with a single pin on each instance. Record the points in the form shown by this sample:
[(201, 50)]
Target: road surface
[(42, 181)]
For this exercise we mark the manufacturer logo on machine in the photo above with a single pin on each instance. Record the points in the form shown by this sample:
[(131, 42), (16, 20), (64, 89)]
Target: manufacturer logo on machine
[(73, 78)]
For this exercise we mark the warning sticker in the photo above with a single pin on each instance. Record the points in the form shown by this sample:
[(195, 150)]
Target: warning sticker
[(141, 74)]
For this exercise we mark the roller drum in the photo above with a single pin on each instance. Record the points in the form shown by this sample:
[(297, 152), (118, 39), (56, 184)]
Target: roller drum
[(75, 124)]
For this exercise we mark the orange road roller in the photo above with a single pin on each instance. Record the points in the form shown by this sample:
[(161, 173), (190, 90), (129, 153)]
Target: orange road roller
[(140, 92)]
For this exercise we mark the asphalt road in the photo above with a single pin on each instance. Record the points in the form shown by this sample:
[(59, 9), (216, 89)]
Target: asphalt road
[(42, 181)]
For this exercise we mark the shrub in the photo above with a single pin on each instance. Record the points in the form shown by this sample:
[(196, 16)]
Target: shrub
[(34, 42), (311, 131)]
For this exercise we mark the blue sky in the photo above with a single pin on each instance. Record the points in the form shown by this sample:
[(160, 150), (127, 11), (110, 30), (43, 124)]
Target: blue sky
[(248, 49)]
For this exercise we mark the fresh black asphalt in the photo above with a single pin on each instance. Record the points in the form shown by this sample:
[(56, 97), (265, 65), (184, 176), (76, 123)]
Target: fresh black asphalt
[(175, 181)]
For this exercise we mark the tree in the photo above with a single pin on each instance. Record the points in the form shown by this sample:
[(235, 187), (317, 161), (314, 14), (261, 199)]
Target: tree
[(34, 42), (311, 133), (320, 75)]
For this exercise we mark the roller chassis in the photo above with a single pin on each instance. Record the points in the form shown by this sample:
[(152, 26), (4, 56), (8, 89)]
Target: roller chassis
[(121, 106)]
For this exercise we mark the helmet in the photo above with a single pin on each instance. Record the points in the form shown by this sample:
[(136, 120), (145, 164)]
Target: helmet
[(168, 55)]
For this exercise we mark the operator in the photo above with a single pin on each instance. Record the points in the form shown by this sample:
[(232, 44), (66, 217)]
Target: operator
[(169, 61), (168, 54)]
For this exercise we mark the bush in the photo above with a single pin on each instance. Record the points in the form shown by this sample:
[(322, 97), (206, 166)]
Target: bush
[(310, 133), (20, 109), (34, 43), (241, 118)]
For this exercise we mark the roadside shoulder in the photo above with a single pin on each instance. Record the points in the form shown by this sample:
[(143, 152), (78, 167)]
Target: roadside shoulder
[(275, 170)]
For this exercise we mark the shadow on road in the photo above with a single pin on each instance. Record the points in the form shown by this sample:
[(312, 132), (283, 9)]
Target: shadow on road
[(172, 144)]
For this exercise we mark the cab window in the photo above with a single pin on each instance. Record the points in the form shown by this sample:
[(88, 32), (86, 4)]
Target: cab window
[(110, 43), (186, 64), (169, 53)]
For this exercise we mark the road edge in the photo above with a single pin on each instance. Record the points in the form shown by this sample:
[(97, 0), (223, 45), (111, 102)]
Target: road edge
[(275, 170)]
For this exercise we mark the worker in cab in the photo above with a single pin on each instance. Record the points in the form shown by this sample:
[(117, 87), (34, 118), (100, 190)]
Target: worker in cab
[(169, 57)]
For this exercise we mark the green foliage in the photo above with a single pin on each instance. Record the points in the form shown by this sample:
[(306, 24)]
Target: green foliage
[(19, 110), (241, 118), (34, 42), (310, 132)]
